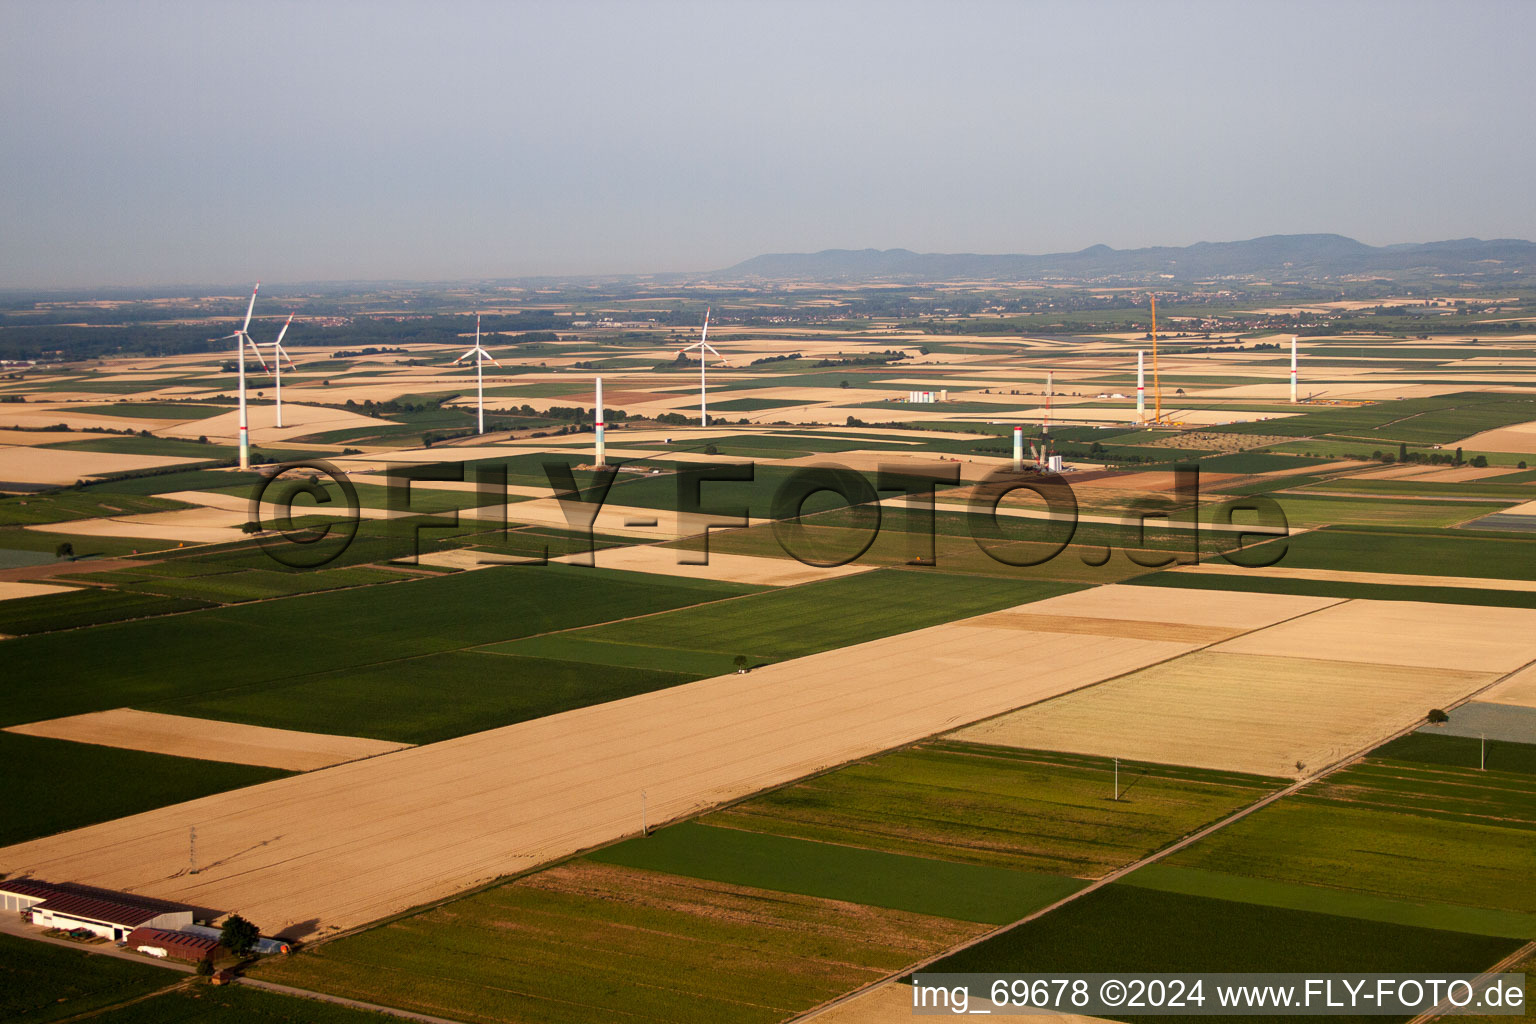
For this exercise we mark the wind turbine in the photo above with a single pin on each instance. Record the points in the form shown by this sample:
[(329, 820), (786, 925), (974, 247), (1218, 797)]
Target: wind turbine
[(704, 348), (278, 355), (481, 355), (241, 339)]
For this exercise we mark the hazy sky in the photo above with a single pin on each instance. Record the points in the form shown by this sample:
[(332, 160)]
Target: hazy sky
[(216, 142)]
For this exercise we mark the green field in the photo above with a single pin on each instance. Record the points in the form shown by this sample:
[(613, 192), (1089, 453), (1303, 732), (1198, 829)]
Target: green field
[(1438, 420), (137, 444), (754, 404), (267, 642), (1410, 551), (1325, 900), (57, 785), (1307, 511), (646, 947), (62, 506), (177, 480), (1490, 489), (796, 621), (203, 1004), (998, 806), (1260, 584), (1123, 929), (158, 410), (922, 885), (1461, 752), (232, 587), (1392, 829), (43, 982), (825, 538), (85, 606), (422, 699)]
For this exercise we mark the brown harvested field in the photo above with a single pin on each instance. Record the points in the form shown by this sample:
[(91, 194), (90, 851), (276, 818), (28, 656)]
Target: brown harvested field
[(35, 415), (11, 589), (1519, 688), (1235, 712), (1352, 576), (616, 520), (52, 466), (1470, 638), (643, 946), (306, 855), (193, 525), (208, 740), (1222, 610), (773, 572), (1518, 438), (1461, 474), (298, 420)]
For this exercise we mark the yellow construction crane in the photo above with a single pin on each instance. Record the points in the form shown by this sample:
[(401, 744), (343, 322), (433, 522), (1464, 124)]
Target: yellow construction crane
[(1157, 386)]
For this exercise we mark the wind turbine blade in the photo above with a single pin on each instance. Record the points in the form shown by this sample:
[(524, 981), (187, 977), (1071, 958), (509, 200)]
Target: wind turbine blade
[(712, 349), (477, 330), (705, 333), (255, 350), (284, 331), (466, 355), (249, 309)]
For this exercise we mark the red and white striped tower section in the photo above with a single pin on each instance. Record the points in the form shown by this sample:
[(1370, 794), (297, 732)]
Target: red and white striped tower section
[(1141, 386), (1045, 424), (597, 416), (1293, 369), (1018, 449)]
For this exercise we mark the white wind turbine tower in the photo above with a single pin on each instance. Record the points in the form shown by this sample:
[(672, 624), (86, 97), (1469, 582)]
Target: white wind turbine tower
[(704, 348), (242, 338), (278, 355), (481, 355)]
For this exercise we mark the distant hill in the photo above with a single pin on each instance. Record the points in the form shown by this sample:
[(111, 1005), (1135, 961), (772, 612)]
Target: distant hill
[(1280, 257)]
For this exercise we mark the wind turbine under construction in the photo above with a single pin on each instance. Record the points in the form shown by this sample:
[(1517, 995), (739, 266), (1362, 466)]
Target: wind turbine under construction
[(241, 339)]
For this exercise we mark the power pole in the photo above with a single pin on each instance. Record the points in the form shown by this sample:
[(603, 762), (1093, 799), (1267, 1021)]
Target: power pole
[(1482, 754), (1117, 780), (192, 850), (644, 828)]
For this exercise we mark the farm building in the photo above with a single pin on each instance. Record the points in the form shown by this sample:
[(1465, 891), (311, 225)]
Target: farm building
[(111, 915), (159, 942), (265, 947)]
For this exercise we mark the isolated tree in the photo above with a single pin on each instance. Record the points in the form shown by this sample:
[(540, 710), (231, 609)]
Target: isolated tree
[(65, 550), (1480, 461), (251, 528), (1437, 717), (741, 663), (1402, 452), (711, 449), (238, 935), (205, 968), (844, 384), (1458, 456), (1521, 464)]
